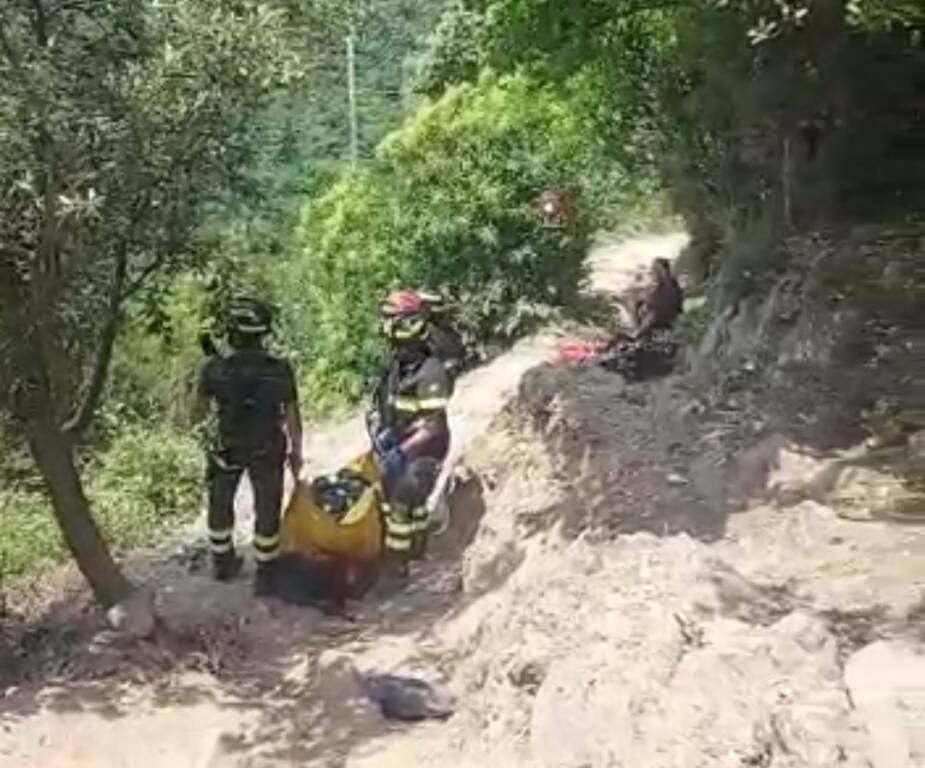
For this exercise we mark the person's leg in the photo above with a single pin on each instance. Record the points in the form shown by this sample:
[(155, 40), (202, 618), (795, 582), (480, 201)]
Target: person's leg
[(420, 521), (399, 533), (412, 490), (222, 477), (266, 475)]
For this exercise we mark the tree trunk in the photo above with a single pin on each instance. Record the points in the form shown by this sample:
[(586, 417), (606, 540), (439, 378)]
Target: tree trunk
[(53, 453)]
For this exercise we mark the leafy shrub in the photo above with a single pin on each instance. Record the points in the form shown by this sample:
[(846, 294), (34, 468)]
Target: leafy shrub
[(29, 537), (145, 482), (448, 204), (148, 480), (157, 357)]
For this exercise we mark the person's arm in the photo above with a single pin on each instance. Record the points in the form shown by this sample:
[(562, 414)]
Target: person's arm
[(294, 430), (433, 398), (649, 311), (202, 397), (429, 427), (293, 422), (645, 323)]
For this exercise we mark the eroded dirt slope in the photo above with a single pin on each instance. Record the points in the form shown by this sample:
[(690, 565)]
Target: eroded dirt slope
[(647, 575), (234, 683)]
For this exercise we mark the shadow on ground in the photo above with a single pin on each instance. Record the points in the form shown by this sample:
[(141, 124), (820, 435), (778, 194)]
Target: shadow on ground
[(252, 665)]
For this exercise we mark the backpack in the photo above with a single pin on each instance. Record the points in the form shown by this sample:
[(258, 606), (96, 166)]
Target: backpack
[(447, 344)]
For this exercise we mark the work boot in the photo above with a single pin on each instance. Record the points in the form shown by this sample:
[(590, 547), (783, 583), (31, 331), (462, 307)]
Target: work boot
[(265, 582), (419, 546), (227, 566)]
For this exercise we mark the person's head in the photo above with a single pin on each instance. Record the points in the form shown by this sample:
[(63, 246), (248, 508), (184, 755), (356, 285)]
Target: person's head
[(249, 322), (661, 269), (404, 324)]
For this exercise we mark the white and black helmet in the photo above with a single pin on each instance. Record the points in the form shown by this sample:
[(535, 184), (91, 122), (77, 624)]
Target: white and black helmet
[(247, 316)]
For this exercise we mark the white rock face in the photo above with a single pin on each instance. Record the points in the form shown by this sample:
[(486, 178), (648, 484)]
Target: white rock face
[(886, 681)]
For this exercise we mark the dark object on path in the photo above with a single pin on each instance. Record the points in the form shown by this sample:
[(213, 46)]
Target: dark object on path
[(638, 360), (408, 699), (663, 303), (322, 582)]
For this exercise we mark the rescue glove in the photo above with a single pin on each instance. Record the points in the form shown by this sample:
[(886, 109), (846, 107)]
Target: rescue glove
[(393, 462), (385, 440)]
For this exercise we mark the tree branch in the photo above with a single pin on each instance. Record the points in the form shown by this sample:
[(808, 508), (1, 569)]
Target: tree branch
[(82, 417), (138, 283), (40, 24), (7, 47)]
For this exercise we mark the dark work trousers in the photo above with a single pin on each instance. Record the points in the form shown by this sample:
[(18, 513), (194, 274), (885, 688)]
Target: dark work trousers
[(265, 469), (406, 517)]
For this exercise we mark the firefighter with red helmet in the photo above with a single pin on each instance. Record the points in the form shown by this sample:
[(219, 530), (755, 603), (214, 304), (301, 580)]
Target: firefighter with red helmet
[(408, 424)]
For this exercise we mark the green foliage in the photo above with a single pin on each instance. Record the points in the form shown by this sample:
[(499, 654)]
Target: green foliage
[(448, 204), (714, 96), (157, 357), (145, 484), (121, 126), (693, 324), (452, 52), (29, 538)]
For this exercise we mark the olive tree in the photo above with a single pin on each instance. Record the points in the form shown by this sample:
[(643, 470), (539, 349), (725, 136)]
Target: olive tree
[(122, 124)]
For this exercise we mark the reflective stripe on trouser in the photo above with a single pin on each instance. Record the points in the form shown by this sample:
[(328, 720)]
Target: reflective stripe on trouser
[(399, 528), (266, 548), (221, 542), (420, 520), (265, 469)]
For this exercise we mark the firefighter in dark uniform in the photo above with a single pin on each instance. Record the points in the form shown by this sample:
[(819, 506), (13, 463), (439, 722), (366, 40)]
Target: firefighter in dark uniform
[(412, 436), (259, 426)]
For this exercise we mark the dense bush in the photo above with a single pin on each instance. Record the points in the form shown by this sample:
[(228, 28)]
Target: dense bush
[(29, 537), (156, 359), (448, 204), (761, 117), (146, 482)]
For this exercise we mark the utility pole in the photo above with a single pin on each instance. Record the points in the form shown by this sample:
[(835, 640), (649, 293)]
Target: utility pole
[(352, 97)]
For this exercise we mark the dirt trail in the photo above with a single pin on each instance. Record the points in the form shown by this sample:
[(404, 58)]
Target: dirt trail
[(661, 575), (248, 691)]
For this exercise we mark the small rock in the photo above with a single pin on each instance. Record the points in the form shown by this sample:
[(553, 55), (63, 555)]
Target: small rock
[(134, 616), (408, 699), (917, 445)]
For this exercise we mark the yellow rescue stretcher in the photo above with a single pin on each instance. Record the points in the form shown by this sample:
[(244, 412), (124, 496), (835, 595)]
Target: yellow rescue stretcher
[(357, 537)]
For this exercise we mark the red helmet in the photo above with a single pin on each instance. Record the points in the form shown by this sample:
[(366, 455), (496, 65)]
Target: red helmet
[(404, 316), (407, 302)]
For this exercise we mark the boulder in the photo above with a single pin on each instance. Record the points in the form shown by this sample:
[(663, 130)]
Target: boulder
[(134, 617), (409, 699), (886, 681)]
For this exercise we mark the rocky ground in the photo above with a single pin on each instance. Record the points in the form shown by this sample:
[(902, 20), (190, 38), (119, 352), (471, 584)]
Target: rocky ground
[(666, 574)]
